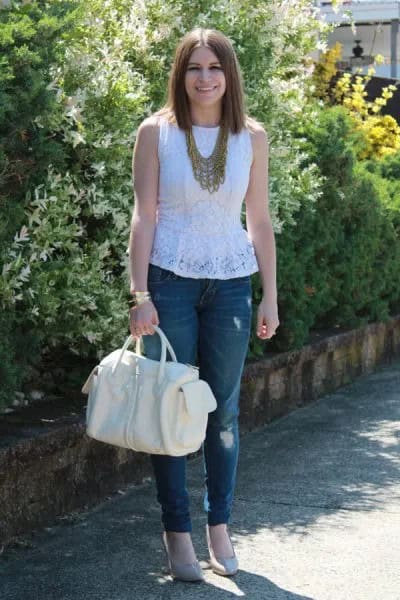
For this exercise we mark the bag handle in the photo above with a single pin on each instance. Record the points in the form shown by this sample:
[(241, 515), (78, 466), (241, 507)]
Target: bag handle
[(164, 345)]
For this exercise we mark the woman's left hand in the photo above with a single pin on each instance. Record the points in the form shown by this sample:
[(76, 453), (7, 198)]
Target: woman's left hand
[(267, 319)]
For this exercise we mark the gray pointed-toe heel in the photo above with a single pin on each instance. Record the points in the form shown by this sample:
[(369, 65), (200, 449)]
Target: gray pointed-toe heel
[(182, 571), (222, 566)]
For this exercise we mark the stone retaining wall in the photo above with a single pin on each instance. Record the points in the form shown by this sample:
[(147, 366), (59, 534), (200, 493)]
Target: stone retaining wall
[(45, 475), (273, 387)]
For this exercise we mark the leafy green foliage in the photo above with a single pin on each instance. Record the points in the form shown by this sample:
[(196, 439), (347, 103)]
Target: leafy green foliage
[(29, 35), (28, 44), (340, 266), (77, 78)]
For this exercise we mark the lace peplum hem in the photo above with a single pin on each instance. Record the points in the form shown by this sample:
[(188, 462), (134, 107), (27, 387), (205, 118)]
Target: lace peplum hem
[(217, 258)]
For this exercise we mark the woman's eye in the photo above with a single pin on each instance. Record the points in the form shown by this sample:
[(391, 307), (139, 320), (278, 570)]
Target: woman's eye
[(213, 67)]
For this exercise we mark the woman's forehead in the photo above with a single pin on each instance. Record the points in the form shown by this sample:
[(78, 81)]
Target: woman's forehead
[(203, 54)]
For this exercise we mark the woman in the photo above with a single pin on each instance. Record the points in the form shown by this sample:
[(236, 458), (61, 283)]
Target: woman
[(195, 161)]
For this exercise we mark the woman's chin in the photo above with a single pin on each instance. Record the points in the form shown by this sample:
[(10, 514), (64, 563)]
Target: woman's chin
[(206, 100)]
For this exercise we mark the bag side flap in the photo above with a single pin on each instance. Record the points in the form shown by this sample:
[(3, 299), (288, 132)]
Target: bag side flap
[(88, 383), (198, 396)]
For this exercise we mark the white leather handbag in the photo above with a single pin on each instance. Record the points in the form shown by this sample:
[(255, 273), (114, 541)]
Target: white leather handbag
[(158, 407)]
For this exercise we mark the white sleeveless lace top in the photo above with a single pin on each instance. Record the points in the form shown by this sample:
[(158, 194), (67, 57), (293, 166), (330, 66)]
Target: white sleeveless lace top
[(199, 234)]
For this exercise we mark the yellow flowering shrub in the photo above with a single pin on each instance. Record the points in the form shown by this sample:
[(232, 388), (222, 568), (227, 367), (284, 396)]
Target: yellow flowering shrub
[(325, 69), (381, 132)]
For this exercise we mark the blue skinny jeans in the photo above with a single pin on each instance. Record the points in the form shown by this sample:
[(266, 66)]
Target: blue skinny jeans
[(208, 324)]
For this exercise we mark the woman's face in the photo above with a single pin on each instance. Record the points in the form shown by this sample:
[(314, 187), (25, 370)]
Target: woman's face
[(204, 79)]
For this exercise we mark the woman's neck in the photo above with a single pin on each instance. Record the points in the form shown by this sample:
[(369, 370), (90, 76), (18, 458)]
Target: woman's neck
[(205, 118)]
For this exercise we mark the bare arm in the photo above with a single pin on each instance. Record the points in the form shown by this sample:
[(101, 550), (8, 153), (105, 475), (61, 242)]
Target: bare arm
[(145, 167), (145, 175), (259, 227)]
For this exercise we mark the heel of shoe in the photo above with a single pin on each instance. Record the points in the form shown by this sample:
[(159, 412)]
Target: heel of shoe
[(183, 571), (222, 566)]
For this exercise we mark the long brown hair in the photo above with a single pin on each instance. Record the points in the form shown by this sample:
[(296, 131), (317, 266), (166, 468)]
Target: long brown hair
[(177, 107)]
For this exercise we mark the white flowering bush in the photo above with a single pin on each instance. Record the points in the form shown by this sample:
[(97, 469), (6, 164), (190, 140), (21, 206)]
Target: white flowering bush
[(64, 272)]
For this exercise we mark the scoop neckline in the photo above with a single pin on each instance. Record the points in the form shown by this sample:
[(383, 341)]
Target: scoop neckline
[(205, 127)]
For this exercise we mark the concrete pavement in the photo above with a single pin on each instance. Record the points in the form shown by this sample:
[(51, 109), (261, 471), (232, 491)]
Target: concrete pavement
[(316, 517)]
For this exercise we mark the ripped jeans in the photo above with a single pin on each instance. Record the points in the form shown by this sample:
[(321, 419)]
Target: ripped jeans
[(208, 324)]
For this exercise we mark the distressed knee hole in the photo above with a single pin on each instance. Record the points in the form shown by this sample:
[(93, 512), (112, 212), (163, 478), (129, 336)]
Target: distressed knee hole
[(227, 438), (237, 322)]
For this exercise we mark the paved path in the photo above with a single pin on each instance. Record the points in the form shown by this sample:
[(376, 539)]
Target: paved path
[(317, 516)]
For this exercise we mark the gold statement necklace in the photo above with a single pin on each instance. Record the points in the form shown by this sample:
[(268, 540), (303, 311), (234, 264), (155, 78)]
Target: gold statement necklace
[(210, 171)]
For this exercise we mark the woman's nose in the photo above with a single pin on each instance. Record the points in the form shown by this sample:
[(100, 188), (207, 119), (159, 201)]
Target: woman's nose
[(205, 74)]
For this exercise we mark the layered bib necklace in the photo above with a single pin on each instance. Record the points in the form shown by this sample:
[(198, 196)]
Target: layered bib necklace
[(209, 172)]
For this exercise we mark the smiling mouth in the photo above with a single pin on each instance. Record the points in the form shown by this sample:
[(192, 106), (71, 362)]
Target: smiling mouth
[(209, 89)]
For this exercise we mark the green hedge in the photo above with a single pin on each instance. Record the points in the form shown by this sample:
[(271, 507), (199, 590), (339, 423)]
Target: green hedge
[(29, 36), (79, 78), (95, 70), (340, 265)]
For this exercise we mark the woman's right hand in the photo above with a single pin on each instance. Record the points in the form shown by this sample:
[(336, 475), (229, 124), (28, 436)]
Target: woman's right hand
[(142, 318)]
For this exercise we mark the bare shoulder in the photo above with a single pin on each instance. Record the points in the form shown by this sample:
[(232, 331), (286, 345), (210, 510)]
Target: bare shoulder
[(257, 131), (259, 138), (150, 125), (147, 133)]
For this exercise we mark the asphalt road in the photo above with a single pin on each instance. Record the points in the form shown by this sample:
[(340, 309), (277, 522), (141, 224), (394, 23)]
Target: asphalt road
[(316, 516)]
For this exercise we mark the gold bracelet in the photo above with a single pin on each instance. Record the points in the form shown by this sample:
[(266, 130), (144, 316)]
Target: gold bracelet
[(139, 298)]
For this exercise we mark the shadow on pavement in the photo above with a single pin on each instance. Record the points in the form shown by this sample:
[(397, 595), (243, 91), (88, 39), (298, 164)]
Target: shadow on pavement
[(338, 454)]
